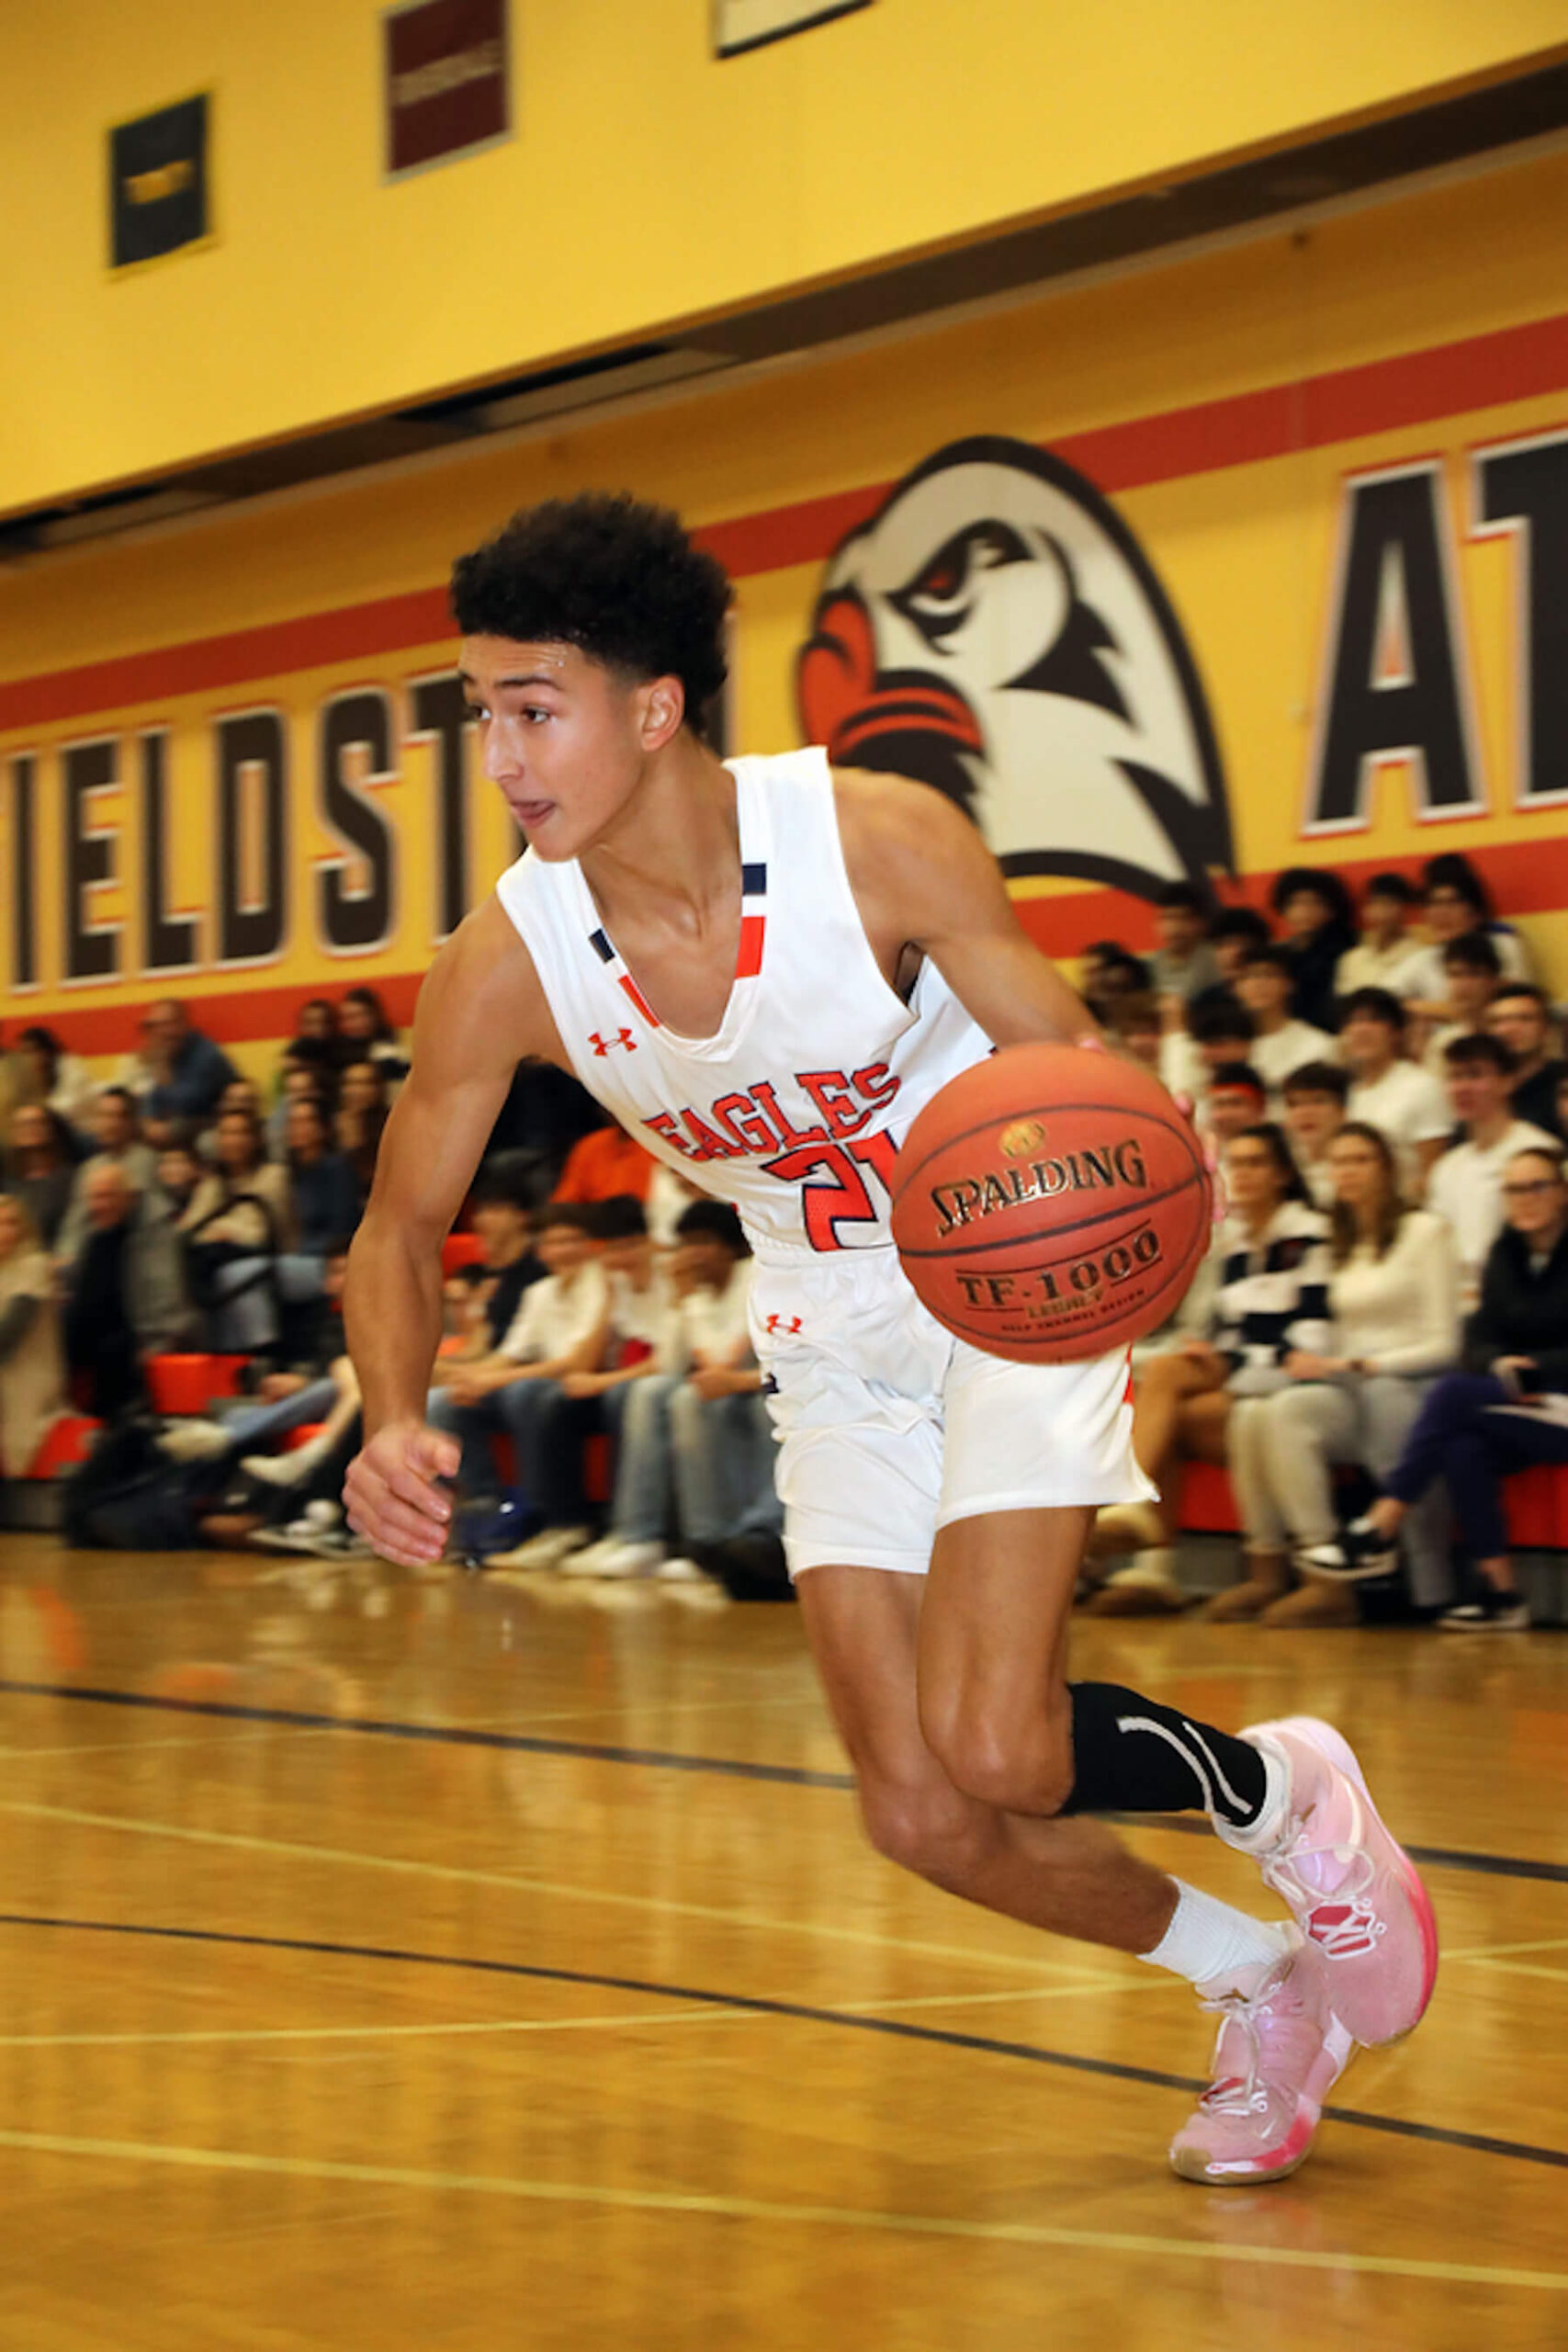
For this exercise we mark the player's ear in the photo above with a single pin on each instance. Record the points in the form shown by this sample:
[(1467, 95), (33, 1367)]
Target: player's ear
[(663, 712)]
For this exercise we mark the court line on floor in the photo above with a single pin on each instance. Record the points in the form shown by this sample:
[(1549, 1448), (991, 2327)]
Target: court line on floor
[(809, 2217), (665, 1759), (519, 1883), (768, 2005)]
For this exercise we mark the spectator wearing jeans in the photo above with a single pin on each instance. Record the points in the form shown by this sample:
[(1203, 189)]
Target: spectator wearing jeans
[(1393, 1301), (697, 1450), (558, 1329), (1508, 1408)]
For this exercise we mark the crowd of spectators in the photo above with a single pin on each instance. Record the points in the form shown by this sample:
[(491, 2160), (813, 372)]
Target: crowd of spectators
[(1388, 1110), (183, 1205)]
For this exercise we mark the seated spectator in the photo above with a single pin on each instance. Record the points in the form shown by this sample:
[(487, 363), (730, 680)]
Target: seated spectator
[(1508, 1408), (1455, 905), (240, 1094), (1386, 945), (502, 1221), (236, 1224), (1233, 932), (1283, 1043), (40, 1167), (559, 1328), (118, 1145), (1138, 1030), (544, 1112), (32, 1369), (1108, 970), (188, 1071), (1319, 926), (365, 1033), (316, 1043), (1236, 1100), (1184, 962), (125, 1293), (1314, 1113), (1393, 1301), (1520, 1015), (1270, 1299), (179, 1171), (696, 1450), (300, 1082), (62, 1081), (1471, 972), (605, 1165), (1389, 1091), (1466, 1184), (323, 1193), (1219, 1030), (362, 1105)]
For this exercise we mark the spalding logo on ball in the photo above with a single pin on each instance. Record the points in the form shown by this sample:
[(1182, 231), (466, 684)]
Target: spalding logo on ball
[(1050, 1204)]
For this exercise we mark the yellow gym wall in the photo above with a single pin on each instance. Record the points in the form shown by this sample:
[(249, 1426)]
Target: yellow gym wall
[(647, 184), (1224, 401)]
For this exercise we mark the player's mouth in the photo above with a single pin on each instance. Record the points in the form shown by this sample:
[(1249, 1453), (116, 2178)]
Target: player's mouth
[(531, 814)]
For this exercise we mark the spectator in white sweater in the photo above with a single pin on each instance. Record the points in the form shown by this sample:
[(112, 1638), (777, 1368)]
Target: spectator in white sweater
[(1466, 1184), (1272, 1266), (1393, 1302), (1390, 1091)]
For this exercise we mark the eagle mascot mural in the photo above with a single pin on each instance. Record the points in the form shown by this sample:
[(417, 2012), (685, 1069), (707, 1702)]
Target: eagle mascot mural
[(996, 631)]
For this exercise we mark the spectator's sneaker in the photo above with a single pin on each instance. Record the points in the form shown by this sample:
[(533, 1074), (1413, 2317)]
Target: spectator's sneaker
[(1353, 1892), (276, 1469), (1491, 1612), (591, 1559), (545, 1550), (680, 1571), (191, 1440), (1280, 2051), (302, 1534), (1361, 1553)]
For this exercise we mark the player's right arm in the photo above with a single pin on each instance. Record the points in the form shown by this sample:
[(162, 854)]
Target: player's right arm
[(482, 1010)]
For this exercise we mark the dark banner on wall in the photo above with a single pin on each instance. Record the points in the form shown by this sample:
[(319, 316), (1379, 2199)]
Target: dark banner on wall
[(446, 80), (158, 182)]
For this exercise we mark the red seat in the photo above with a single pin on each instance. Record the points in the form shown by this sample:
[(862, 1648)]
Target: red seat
[(1208, 1505), (188, 1384), (65, 1442), (1536, 1501), (460, 1250), (302, 1434)]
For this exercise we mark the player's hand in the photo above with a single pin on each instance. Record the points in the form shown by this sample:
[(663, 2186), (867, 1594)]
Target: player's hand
[(392, 1494)]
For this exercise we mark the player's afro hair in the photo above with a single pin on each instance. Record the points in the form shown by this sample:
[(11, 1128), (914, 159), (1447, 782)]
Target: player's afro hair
[(618, 579)]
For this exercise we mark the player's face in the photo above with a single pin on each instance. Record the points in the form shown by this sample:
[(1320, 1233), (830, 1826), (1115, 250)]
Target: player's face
[(563, 738)]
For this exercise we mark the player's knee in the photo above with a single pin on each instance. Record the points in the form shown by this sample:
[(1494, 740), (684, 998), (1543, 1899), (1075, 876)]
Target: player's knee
[(924, 1827), (1016, 1764)]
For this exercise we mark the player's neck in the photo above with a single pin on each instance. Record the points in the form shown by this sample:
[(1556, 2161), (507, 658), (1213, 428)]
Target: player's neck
[(677, 841)]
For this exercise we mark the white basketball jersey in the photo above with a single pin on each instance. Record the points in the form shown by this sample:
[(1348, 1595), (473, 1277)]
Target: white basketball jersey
[(795, 1108)]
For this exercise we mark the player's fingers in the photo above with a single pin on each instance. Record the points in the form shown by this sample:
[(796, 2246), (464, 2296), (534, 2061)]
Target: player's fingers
[(405, 1484), (436, 1454), (397, 1531)]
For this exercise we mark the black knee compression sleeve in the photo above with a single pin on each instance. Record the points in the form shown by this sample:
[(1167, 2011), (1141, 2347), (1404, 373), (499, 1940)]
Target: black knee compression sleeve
[(1130, 1754)]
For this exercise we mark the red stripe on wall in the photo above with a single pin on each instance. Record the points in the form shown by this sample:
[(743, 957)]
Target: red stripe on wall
[(1523, 880), (1510, 364)]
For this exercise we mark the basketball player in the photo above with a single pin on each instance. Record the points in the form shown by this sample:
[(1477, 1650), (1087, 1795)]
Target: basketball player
[(763, 968)]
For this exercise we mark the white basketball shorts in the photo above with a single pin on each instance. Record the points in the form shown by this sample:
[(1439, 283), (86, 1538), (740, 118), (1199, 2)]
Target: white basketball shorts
[(888, 1427)]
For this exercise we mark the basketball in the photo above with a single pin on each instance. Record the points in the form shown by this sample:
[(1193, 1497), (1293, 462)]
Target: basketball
[(1050, 1204)]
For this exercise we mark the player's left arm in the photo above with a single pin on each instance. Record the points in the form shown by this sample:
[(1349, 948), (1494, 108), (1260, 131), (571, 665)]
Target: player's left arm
[(922, 877)]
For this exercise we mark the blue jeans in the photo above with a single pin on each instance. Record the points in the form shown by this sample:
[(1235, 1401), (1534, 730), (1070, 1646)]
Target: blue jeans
[(704, 1463), (1458, 1437), (530, 1412), (255, 1426)]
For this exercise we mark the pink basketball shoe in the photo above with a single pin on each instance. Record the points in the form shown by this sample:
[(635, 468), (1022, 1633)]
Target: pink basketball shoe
[(1351, 1889), (1280, 2051)]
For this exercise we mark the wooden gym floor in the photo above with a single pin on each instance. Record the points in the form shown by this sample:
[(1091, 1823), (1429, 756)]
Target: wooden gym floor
[(397, 1964)]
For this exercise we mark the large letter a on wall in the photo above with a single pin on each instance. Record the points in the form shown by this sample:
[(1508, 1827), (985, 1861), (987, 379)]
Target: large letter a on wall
[(1392, 692)]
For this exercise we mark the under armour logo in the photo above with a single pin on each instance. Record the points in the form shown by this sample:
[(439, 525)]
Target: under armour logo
[(790, 1323), (602, 1045)]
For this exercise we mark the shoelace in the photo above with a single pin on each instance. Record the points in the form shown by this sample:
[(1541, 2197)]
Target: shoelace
[(1239, 2094), (1351, 1893)]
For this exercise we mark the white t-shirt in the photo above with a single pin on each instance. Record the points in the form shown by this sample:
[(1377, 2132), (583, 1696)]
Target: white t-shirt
[(646, 1318), (1467, 1188), (553, 1318), (1409, 1105), (714, 1322), (1275, 1058), (1424, 975), (1400, 1312), (1366, 967)]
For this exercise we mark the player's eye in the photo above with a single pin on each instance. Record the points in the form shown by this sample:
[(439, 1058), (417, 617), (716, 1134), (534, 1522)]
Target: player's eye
[(532, 710), (474, 709)]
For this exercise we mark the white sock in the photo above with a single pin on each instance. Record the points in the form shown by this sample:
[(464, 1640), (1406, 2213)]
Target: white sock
[(1207, 1940)]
